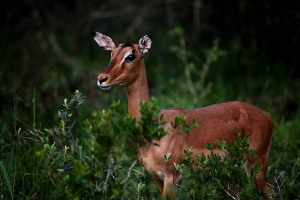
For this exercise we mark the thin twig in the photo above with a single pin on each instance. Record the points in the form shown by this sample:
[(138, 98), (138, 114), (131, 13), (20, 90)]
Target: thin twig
[(230, 194), (187, 72), (110, 164), (129, 172), (51, 179), (278, 186)]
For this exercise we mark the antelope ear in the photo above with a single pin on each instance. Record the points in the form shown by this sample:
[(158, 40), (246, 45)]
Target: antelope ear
[(145, 44), (106, 42)]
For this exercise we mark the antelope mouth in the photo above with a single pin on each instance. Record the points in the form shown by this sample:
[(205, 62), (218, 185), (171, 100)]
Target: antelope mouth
[(107, 87), (104, 86)]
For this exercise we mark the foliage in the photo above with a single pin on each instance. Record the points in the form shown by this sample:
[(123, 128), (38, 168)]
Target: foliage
[(99, 160), (285, 160), (221, 174), (182, 126)]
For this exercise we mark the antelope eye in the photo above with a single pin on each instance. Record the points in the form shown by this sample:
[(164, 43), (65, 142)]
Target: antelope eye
[(131, 57)]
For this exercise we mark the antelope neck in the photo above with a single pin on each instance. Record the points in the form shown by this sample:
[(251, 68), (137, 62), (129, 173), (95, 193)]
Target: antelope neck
[(137, 92)]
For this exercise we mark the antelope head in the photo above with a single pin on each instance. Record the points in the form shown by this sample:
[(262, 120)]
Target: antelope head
[(126, 60)]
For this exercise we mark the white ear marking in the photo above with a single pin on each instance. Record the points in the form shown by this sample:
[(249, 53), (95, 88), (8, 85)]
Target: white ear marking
[(145, 44), (106, 42)]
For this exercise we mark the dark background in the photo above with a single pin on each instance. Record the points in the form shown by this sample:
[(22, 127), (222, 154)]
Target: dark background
[(47, 51)]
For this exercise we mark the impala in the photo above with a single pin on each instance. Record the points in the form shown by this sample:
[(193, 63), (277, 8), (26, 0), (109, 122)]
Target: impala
[(218, 122)]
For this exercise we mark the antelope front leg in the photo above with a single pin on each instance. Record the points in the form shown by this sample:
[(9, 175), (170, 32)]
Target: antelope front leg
[(169, 189), (160, 185)]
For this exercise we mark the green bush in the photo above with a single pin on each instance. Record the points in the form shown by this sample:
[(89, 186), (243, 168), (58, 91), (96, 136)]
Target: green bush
[(97, 159), (218, 176)]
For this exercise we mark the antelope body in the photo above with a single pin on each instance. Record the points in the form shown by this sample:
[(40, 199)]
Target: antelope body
[(218, 122)]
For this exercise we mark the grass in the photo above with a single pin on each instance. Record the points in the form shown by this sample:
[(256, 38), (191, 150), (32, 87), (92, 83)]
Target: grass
[(6, 178)]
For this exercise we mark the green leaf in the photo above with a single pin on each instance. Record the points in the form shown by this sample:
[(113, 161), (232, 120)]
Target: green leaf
[(7, 181), (210, 146), (167, 156)]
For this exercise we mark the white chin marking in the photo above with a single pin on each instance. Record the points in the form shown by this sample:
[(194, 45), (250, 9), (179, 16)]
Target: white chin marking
[(104, 86)]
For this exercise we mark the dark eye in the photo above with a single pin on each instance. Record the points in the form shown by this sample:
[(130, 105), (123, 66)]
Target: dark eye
[(131, 57)]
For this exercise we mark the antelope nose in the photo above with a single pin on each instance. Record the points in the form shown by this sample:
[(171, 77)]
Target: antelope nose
[(103, 79)]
